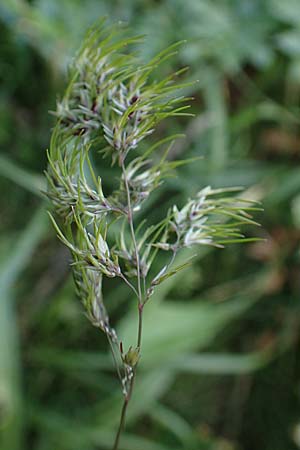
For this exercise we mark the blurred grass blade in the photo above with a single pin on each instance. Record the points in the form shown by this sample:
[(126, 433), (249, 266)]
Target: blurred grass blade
[(10, 389), (222, 364), (25, 179), (16, 262), (174, 423)]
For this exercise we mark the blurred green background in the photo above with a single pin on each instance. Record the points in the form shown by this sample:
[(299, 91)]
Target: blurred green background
[(220, 369)]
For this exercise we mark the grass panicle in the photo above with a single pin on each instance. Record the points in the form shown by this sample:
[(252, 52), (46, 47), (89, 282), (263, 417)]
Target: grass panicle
[(112, 104)]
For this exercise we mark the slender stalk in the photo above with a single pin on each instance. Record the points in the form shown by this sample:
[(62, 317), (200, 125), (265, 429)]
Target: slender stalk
[(130, 220), (122, 423), (128, 396), (140, 311), (140, 326)]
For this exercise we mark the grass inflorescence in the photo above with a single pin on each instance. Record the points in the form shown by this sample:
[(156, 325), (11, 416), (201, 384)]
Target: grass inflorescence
[(110, 106)]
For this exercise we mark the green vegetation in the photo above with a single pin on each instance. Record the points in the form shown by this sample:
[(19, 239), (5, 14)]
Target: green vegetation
[(220, 349)]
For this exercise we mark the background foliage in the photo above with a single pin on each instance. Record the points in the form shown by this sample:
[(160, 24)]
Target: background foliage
[(221, 342)]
